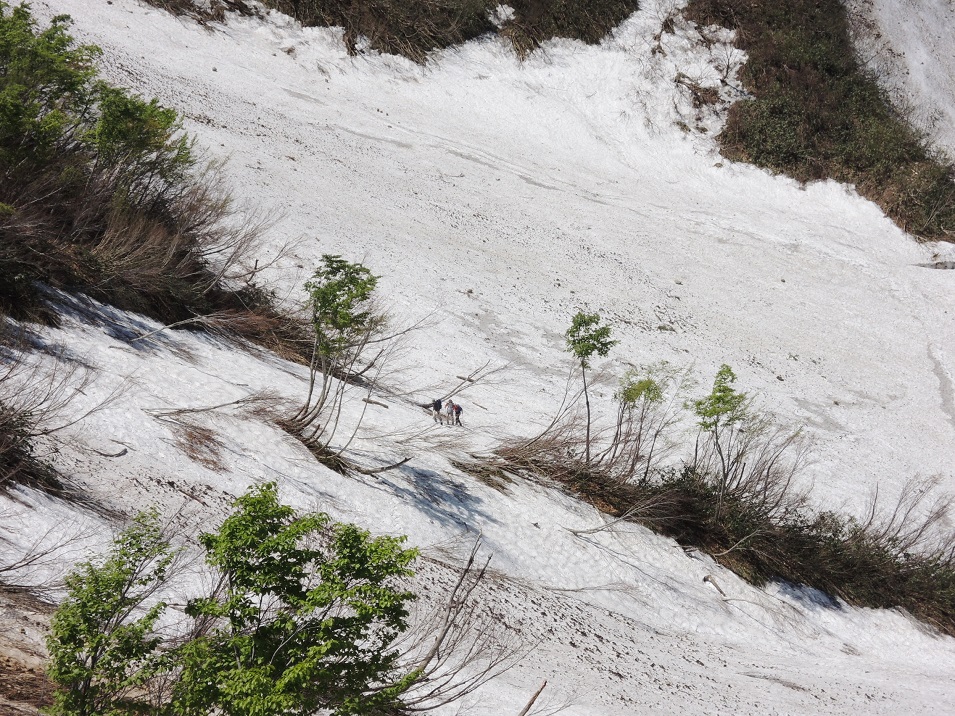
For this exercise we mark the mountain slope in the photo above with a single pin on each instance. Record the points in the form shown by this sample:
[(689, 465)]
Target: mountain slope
[(498, 198)]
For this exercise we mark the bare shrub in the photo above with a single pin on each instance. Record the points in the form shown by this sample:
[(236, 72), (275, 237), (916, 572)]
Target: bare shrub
[(536, 21), (458, 647), (412, 28), (206, 11), (32, 402), (415, 28)]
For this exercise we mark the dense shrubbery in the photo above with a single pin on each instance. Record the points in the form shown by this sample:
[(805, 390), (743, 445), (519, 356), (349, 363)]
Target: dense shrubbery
[(303, 618), (297, 615), (816, 114), (102, 192)]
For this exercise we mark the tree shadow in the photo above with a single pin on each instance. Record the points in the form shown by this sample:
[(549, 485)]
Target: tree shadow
[(808, 597), (439, 497)]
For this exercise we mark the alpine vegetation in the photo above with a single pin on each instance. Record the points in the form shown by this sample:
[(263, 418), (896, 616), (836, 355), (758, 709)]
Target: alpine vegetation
[(345, 321), (303, 615), (101, 192), (815, 113), (416, 28), (734, 494)]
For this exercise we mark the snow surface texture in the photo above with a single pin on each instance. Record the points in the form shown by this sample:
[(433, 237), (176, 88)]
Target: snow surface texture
[(498, 198), (908, 45)]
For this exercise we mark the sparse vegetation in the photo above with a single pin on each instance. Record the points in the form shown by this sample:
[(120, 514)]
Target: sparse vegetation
[(734, 496), (415, 28), (30, 407), (536, 21), (345, 322), (585, 339), (102, 192), (816, 114)]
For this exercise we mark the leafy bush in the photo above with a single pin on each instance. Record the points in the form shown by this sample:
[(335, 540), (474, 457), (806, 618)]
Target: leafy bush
[(304, 618), (102, 192), (103, 646), (816, 114), (344, 322)]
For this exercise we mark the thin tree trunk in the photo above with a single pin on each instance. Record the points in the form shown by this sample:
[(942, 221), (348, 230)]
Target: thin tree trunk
[(583, 372)]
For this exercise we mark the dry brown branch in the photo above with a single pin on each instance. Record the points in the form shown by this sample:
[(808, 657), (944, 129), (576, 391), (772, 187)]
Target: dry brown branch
[(530, 704), (460, 647)]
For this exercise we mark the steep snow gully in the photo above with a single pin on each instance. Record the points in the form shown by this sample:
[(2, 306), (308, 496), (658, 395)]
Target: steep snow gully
[(496, 198)]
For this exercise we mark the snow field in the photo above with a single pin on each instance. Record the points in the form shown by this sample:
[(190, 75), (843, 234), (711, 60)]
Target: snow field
[(498, 198)]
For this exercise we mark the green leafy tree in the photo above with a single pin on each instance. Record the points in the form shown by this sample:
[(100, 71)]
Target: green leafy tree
[(304, 620), (344, 320), (722, 417), (340, 301), (46, 84), (724, 406), (103, 645), (648, 404), (585, 339)]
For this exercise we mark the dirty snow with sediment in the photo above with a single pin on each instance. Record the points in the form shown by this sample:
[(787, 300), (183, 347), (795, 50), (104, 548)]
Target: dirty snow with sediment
[(496, 198), (908, 47)]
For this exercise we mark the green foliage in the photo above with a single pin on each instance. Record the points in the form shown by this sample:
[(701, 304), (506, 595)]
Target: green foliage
[(817, 114), (636, 388), (586, 338), (143, 137), (101, 192), (304, 619), (724, 406), (323, 641), (45, 84), (340, 300), (103, 646)]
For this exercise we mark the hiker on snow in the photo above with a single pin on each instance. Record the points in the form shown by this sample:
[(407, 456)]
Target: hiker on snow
[(449, 412), (436, 409), (457, 414)]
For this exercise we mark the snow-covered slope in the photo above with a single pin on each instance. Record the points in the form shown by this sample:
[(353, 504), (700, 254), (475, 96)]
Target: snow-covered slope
[(909, 47), (498, 198)]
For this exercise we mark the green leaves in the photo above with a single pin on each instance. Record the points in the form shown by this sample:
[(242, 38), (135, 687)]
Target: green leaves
[(635, 389), (304, 620), (102, 642), (339, 296), (51, 103), (45, 82), (586, 337), (724, 406)]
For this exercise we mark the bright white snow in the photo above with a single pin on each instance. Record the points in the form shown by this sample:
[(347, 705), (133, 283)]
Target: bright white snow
[(498, 198)]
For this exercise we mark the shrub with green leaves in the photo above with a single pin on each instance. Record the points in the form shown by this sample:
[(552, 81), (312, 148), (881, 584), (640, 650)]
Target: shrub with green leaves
[(345, 321), (305, 620), (303, 617), (340, 302), (103, 644), (102, 192)]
